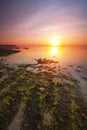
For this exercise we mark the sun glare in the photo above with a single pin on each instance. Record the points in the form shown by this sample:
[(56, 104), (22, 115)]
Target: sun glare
[(55, 42), (54, 51)]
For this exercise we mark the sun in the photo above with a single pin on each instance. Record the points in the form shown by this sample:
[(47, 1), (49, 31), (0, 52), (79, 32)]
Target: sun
[(55, 42)]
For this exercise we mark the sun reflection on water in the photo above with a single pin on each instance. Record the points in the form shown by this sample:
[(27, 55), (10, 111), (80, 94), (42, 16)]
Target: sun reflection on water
[(54, 51)]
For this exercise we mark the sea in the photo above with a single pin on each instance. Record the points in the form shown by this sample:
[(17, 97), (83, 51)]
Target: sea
[(65, 55), (74, 59)]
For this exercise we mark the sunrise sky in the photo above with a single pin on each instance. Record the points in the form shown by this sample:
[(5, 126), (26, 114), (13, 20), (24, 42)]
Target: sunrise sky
[(34, 22)]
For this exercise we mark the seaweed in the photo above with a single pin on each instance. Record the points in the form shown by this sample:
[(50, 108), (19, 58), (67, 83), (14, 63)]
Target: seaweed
[(49, 105)]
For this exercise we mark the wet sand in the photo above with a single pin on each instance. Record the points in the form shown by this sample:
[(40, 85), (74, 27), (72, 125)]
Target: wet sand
[(54, 97)]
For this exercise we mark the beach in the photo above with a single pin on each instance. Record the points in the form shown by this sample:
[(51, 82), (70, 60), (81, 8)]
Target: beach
[(43, 96), (43, 64)]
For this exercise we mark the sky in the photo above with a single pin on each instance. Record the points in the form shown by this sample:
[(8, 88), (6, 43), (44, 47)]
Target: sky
[(36, 22)]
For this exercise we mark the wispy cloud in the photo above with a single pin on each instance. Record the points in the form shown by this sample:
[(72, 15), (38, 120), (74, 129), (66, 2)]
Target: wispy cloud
[(39, 19)]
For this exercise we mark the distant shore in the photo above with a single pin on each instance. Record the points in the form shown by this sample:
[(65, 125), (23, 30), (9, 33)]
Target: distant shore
[(6, 50)]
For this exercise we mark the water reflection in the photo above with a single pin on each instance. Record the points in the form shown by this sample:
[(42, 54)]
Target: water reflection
[(63, 55), (54, 51)]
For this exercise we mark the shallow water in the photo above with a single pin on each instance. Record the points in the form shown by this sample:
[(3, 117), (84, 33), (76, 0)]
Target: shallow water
[(57, 94), (72, 60), (66, 56)]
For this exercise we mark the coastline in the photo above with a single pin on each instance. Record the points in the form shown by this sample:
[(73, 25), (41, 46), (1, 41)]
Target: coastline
[(6, 50), (52, 99)]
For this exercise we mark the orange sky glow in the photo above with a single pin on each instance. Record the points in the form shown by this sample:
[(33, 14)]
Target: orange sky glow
[(35, 23)]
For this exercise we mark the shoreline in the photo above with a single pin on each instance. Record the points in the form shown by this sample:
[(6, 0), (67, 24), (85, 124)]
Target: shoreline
[(6, 50), (51, 99)]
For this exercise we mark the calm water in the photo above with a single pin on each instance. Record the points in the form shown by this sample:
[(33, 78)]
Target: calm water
[(66, 56)]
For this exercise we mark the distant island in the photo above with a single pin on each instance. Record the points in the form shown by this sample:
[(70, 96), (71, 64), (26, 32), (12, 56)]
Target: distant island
[(8, 49)]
